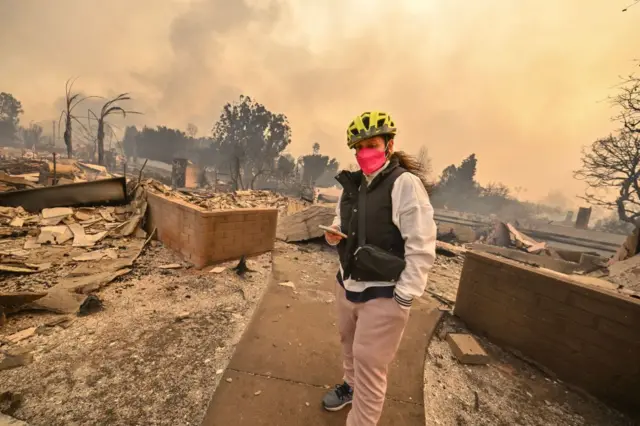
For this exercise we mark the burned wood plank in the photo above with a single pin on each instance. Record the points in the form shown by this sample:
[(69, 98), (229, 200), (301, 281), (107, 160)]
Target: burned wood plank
[(98, 192)]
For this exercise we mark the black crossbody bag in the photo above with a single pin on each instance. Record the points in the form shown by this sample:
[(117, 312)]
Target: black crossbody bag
[(370, 259)]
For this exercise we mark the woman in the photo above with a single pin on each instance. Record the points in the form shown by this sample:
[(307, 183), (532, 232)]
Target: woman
[(383, 262)]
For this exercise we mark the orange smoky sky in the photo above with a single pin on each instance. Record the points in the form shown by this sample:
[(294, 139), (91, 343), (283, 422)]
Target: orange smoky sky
[(522, 84)]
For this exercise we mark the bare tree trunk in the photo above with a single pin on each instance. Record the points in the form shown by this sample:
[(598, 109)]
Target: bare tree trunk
[(67, 137), (101, 141), (239, 173), (254, 178)]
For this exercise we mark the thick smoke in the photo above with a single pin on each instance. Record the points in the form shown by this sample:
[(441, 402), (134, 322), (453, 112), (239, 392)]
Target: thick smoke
[(522, 84)]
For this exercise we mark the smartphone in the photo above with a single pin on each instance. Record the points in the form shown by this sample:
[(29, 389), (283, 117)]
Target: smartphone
[(332, 231)]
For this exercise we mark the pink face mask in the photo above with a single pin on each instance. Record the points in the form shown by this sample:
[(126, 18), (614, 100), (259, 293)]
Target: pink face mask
[(370, 160)]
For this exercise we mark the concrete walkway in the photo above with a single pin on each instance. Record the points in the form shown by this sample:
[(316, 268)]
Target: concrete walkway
[(290, 354)]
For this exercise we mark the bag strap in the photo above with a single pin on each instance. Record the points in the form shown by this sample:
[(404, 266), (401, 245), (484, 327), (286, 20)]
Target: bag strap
[(362, 203)]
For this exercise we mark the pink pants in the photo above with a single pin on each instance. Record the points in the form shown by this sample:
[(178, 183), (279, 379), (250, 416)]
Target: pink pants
[(370, 334)]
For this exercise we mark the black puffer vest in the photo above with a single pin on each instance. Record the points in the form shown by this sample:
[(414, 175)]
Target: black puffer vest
[(379, 226)]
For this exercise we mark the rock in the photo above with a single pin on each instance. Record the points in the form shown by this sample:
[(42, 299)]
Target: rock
[(466, 349), (182, 316), (288, 284), (171, 266), (229, 380), (9, 403), (256, 393), (217, 270), (90, 305)]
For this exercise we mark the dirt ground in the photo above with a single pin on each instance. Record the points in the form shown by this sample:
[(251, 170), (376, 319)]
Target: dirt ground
[(153, 356), (509, 391)]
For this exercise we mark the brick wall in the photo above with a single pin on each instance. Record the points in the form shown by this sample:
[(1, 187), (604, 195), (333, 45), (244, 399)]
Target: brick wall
[(206, 237), (586, 336)]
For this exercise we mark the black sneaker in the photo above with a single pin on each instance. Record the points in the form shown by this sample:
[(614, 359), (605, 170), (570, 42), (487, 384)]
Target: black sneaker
[(338, 398)]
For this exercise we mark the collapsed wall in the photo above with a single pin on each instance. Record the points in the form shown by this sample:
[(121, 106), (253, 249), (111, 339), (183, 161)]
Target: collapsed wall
[(206, 237), (586, 336)]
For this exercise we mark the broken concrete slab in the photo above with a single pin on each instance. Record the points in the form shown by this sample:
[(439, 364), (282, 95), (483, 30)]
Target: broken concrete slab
[(631, 264), (590, 262), (520, 238), (537, 248), (83, 216), (303, 226), (467, 349), (58, 300), (449, 250), (54, 234), (16, 181), (39, 267), (90, 283), (32, 243), (17, 222), (131, 225), (629, 248), (532, 259), (81, 239), (106, 215), (56, 212), (52, 221), (12, 302), (500, 235), (626, 273), (105, 265), (96, 255)]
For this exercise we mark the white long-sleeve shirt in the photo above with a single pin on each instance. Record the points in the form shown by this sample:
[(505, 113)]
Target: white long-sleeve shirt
[(412, 214)]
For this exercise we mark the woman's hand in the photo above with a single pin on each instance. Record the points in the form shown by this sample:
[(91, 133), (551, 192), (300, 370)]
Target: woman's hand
[(332, 239)]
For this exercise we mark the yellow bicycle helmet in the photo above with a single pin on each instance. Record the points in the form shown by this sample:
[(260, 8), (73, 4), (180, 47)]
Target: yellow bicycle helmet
[(368, 125)]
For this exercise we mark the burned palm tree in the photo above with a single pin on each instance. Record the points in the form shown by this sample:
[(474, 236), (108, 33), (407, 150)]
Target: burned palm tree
[(110, 107), (71, 101)]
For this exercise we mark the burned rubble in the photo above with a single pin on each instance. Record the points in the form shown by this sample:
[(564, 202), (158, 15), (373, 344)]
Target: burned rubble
[(241, 199), (92, 267), (619, 274)]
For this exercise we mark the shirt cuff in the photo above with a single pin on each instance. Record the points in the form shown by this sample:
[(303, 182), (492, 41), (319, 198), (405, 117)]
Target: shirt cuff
[(402, 301)]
